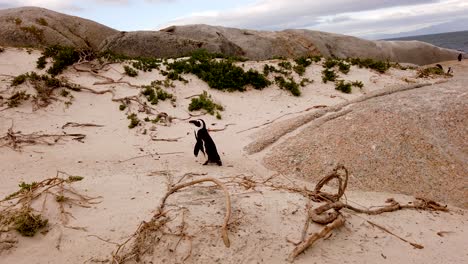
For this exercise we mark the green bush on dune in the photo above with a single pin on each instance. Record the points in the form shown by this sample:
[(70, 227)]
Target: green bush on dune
[(62, 57), (205, 102), (218, 74)]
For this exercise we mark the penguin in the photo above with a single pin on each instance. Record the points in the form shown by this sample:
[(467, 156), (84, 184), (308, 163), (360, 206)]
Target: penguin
[(460, 57), (205, 143), (449, 70)]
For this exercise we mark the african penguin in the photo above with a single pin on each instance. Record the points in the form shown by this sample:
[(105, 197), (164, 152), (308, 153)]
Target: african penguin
[(205, 143)]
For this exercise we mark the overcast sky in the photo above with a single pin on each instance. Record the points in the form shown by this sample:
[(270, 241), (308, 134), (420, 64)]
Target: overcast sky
[(362, 18)]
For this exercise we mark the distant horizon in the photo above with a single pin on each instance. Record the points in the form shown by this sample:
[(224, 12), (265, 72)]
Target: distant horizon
[(422, 35), (367, 19)]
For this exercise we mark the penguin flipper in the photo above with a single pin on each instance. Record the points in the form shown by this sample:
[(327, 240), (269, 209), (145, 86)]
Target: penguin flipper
[(198, 146)]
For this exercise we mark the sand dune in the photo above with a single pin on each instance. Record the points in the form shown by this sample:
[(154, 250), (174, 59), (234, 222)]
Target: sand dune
[(129, 169)]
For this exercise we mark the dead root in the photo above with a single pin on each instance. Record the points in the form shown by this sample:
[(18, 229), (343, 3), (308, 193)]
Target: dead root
[(149, 233), (17, 140), (329, 213)]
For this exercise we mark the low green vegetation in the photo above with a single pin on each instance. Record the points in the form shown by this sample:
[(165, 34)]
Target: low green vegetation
[(285, 65), (379, 66), (130, 71), (122, 107), (218, 74), (289, 85), (431, 71), (17, 99), (346, 86), (44, 86), (267, 69), (33, 30), (61, 56), (343, 86), (134, 121), (27, 223), (329, 75), (146, 64), (204, 102), (41, 21), (154, 93), (305, 81)]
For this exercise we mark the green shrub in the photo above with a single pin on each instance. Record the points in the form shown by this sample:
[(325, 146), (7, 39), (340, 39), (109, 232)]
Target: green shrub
[(267, 69), (205, 102), (344, 67), (222, 74), (358, 84), (290, 85), (299, 69), (330, 63), (17, 98), (343, 86), (134, 121), (305, 81), (64, 93), (20, 79), (155, 93), (146, 64), (36, 32), (431, 71), (122, 107), (62, 57), (18, 21), (285, 65), (346, 87), (41, 21), (41, 62), (379, 66), (27, 223), (329, 75), (130, 71), (303, 61)]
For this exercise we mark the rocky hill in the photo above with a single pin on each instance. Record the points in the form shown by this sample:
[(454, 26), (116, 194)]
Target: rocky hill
[(39, 27)]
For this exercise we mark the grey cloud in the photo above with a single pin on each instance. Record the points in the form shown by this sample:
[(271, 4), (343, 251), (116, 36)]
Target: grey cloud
[(279, 14)]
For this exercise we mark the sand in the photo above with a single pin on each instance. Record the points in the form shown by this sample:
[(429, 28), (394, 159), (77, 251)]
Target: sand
[(116, 164)]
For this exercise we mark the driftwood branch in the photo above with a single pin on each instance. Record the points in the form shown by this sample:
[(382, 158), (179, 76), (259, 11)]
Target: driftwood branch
[(310, 240)]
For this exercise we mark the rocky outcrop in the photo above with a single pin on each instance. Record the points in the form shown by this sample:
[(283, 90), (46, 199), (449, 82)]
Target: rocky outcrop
[(260, 45), (411, 142), (39, 27)]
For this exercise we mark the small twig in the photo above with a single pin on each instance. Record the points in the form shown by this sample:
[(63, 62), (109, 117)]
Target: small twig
[(105, 240), (402, 239), (166, 139), (150, 155), (73, 124), (220, 129)]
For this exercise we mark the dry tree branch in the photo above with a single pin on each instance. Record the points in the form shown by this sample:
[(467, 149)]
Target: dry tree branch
[(338, 222), (144, 238), (16, 140), (177, 187)]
